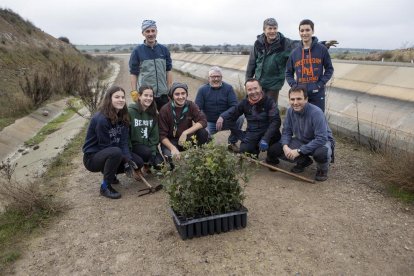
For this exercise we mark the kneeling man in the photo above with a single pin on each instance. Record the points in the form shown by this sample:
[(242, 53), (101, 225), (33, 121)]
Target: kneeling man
[(305, 133)]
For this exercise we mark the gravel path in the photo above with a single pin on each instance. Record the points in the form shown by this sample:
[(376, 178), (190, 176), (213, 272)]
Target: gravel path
[(344, 226)]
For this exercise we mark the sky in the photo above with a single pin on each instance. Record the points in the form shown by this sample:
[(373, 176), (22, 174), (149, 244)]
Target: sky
[(379, 24)]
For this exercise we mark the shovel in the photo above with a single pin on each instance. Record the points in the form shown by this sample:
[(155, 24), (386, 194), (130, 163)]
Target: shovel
[(150, 189)]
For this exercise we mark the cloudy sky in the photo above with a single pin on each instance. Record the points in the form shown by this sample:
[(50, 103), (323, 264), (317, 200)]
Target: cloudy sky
[(374, 24)]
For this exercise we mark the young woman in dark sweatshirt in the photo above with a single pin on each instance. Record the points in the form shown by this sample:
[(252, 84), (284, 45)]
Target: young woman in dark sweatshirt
[(106, 144)]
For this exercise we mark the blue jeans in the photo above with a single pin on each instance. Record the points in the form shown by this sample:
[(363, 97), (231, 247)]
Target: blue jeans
[(227, 125)]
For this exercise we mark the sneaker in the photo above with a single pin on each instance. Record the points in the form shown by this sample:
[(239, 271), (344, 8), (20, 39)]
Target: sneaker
[(321, 175), (300, 167), (110, 192), (234, 148)]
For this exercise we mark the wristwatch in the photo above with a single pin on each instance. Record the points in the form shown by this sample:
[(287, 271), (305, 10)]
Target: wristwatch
[(299, 151)]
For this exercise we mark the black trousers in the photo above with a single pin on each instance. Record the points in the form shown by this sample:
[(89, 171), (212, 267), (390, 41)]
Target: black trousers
[(110, 161)]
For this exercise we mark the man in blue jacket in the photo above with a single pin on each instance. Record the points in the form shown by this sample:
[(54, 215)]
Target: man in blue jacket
[(312, 65), (305, 133), (213, 99), (262, 116), (150, 64)]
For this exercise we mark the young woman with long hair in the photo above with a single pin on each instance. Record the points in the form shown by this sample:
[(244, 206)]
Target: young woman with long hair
[(106, 144), (144, 134)]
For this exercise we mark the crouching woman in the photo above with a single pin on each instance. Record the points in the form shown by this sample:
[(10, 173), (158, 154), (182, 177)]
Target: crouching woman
[(106, 144)]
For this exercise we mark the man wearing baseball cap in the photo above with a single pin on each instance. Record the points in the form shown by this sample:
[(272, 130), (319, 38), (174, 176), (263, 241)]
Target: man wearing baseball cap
[(150, 64)]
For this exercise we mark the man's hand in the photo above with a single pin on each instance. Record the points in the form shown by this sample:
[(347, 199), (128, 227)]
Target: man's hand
[(183, 138), (263, 145), (219, 123), (290, 153), (175, 153), (331, 43)]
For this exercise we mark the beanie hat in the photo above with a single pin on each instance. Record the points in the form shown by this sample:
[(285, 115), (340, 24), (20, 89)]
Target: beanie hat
[(148, 24), (176, 85), (269, 22)]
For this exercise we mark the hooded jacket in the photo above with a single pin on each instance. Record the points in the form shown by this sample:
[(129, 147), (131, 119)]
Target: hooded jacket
[(143, 128), (267, 62), (313, 66), (103, 134)]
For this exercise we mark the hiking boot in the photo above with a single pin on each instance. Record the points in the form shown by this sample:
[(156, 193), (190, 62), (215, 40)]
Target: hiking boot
[(110, 192), (234, 148), (321, 175), (300, 166), (272, 163)]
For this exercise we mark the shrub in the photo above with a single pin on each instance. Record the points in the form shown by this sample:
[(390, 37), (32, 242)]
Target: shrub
[(38, 89), (64, 39), (206, 181)]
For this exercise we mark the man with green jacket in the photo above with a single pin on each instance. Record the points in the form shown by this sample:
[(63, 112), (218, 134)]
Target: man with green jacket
[(267, 61)]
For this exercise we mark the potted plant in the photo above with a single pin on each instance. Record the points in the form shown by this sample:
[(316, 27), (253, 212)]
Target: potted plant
[(205, 191)]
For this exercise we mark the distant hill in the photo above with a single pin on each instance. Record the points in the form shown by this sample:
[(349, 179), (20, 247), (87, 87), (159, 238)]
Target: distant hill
[(24, 50)]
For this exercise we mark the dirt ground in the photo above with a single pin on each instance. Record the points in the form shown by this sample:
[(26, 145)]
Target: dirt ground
[(344, 226)]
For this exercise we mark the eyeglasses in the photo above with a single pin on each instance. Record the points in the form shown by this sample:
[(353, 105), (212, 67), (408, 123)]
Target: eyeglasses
[(215, 77)]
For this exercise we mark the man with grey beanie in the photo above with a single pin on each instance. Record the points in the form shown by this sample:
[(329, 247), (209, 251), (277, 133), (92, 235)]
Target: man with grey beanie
[(150, 64), (267, 61)]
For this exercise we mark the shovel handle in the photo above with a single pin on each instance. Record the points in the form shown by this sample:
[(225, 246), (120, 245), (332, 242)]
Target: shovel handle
[(281, 170)]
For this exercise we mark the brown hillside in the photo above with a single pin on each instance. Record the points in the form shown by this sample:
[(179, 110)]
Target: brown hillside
[(24, 51)]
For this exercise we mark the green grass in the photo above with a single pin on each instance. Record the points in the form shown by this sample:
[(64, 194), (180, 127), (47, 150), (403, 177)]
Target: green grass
[(16, 226), (50, 127), (404, 196)]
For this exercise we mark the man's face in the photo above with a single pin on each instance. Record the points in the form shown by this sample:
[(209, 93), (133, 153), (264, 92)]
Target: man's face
[(254, 90), (150, 35), (215, 79), (297, 100), (179, 96), (306, 33), (270, 33)]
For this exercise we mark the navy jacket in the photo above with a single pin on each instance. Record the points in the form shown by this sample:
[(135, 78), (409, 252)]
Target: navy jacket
[(214, 101), (262, 117), (103, 134)]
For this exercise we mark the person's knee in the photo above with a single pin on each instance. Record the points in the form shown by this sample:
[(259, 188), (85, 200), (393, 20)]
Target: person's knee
[(115, 153), (321, 155), (275, 150)]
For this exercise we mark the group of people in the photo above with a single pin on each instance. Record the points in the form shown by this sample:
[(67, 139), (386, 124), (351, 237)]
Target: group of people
[(123, 139)]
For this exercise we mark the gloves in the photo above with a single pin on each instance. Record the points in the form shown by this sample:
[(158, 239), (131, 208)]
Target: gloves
[(134, 95), (263, 145), (331, 43), (129, 168)]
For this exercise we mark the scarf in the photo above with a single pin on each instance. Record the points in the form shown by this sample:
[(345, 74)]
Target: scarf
[(178, 121)]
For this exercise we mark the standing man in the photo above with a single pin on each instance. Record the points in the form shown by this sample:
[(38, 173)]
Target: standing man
[(214, 98), (312, 65), (178, 121), (267, 61), (262, 116), (305, 133), (150, 64)]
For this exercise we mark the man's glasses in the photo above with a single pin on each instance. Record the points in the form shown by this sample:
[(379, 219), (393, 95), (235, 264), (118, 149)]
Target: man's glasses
[(215, 77)]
